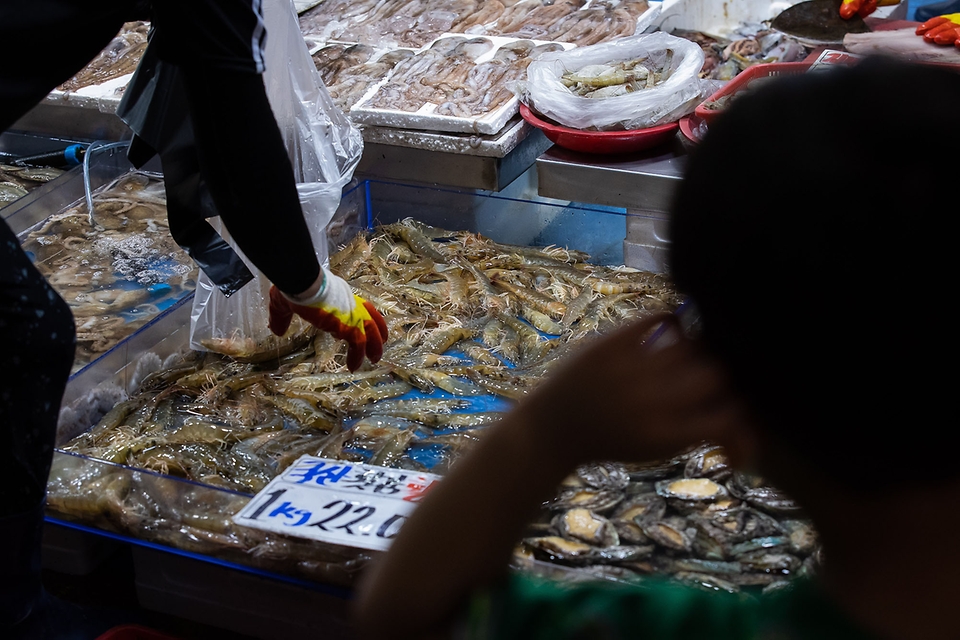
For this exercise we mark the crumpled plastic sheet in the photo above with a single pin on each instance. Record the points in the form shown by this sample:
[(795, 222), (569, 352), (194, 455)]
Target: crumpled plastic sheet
[(666, 102)]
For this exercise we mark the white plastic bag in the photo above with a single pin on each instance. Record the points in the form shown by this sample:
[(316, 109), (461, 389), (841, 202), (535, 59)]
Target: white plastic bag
[(666, 102), (324, 149)]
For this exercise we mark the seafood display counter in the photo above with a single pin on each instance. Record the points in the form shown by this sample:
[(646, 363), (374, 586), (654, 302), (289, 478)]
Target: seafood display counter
[(462, 129), (732, 36), (159, 446), (484, 162), (644, 181), (641, 183), (487, 163), (99, 235), (182, 505)]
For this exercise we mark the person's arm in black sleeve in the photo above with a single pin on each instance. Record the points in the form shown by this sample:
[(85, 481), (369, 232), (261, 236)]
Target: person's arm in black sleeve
[(247, 169), (35, 31), (219, 49)]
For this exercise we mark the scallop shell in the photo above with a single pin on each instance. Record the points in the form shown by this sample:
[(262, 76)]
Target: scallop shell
[(707, 581), (692, 490), (758, 544), (604, 475), (556, 547), (770, 562), (586, 526), (670, 533), (710, 461), (710, 541), (646, 506), (630, 532), (598, 501), (803, 537)]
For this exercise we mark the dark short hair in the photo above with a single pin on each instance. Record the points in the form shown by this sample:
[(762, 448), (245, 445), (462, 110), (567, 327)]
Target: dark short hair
[(812, 229)]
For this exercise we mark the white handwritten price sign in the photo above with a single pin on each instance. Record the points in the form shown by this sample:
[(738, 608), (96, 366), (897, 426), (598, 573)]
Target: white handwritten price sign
[(356, 505)]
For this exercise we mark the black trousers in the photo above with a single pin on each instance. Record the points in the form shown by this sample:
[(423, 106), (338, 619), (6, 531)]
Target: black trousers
[(38, 330)]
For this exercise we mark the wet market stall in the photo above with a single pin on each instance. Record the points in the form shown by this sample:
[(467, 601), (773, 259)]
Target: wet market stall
[(167, 448), (492, 253)]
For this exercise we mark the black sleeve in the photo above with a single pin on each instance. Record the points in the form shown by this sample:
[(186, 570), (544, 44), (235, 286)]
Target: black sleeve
[(248, 172), (218, 46), (55, 40)]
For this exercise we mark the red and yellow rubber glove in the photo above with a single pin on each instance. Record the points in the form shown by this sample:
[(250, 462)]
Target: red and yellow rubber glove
[(862, 8), (943, 29), (337, 310)]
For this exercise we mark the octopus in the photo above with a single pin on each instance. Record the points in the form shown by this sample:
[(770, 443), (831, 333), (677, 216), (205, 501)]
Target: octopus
[(568, 21), (331, 60), (119, 58), (403, 23), (488, 13), (429, 76), (533, 18), (487, 85), (348, 84), (114, 266)]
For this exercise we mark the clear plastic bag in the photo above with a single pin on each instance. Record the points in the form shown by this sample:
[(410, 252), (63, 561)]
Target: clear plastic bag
[(673, 98), (324, 148)]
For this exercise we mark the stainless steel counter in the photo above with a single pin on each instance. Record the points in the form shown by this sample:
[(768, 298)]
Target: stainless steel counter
[(642, 183), (487, 163)]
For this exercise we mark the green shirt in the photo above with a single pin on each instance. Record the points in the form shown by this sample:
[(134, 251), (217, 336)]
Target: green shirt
[(528, 608)]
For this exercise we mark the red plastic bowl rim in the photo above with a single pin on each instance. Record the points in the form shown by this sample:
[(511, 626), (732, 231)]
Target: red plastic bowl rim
[(527, 114)]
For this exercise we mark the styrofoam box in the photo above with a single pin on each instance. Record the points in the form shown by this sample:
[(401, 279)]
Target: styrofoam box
[(489, 123), (427, 117)]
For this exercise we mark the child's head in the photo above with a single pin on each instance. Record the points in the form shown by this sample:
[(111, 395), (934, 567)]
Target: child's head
[(813, 230)]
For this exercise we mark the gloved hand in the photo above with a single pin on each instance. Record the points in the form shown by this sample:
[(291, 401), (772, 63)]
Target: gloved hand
[(862, 8), (943, 29), (337, 310)]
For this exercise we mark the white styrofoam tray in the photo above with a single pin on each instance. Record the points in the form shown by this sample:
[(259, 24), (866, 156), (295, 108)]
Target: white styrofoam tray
[(427, 118), (315, 46), (494, 146), (644, 20), (345, 29), (104, 97)]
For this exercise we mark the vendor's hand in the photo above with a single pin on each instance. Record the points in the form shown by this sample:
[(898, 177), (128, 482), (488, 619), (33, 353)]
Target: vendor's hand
[(337, 310), (943, 29), (862, 8)]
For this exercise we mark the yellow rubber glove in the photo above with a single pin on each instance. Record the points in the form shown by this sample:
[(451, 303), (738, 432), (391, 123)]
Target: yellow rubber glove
[(943, 29), (338, 310), (862, 8)]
